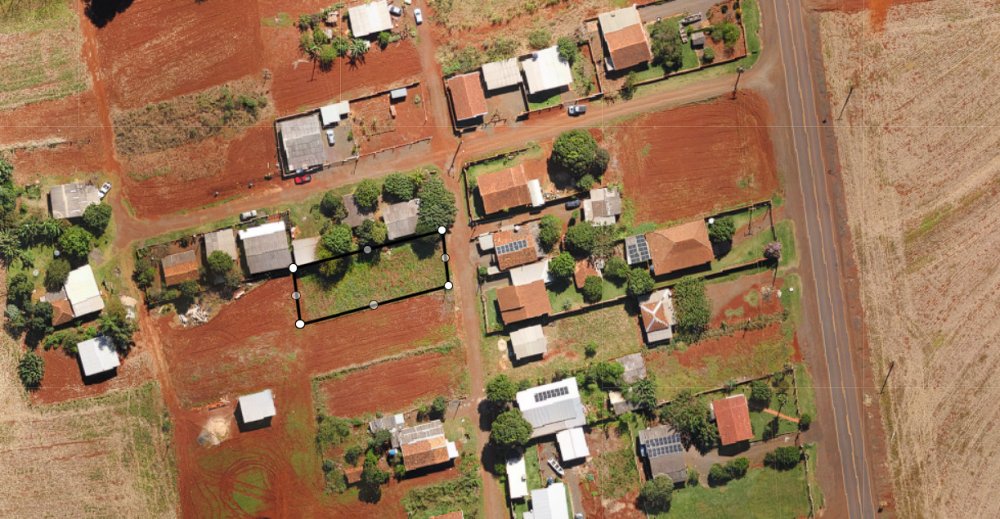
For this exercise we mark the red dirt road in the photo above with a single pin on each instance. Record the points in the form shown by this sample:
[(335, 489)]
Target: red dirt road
[(697, 159)]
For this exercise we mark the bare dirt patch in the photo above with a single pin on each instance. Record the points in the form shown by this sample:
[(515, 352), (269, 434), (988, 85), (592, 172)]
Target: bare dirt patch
[(64, 381), (721, 147), (921, 177), (376, 128)]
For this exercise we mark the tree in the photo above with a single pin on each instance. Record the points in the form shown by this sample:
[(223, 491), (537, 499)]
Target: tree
[(640, 282), (607, 375), (366, 194), (31, 369), (340, 45), (437, 205), (567, 49), (772, 251), (593, 289), (642, 394), (332, 206), (737, 468), (337, 240), (760, 393), (357, 48), (722, 230), (717, 475), (115, 324), (616, 270), (16, 321), (96, 218), (539, 38), (692, 308), (586, 182), (726, 32), (656, 494), (577, 152), (55, 276), (144, 273), (352, 454), (75, 243), (665, 42), (379, 440), (19, 289), (325, 55), (690, 417), (708, 55), (219, 263), (439, 406), (549, 231), (628, 88), (500, 390), (399, 187), (371, 232), (581, 238), (783, 458), (510, 429), (805, 421), (562, 266), (590, 350), (189, 289), (384, 39), (372, 477)]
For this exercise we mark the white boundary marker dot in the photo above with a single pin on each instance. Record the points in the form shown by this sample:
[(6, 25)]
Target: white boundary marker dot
[(442, 230), (368, 249), (300, 324), (296, 295), (373, 305), (448, 285), (445, 258), (292, 268)]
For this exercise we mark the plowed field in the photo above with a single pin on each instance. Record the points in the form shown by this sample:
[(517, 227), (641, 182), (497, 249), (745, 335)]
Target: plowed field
[(697, 159)]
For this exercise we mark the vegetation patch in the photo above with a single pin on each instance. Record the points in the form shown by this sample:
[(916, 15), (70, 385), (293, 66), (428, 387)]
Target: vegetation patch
[(458, 494), (762, 493)]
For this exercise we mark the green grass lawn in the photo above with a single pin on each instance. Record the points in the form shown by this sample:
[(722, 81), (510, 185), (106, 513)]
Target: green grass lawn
[(563, 294), (806, 390), (398, 271), (493, 322), (760, 420), (538, 102), (617, 474), (753, 248), (814, 487), (762, 493)]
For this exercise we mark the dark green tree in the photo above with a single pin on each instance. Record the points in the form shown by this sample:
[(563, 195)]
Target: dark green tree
[(219, 263), (689, 416), (642, 394), (75, 243), (352, 454), (726, 32), (581, 239), (567, 49), (332, 206), (722, 230), (607, 375), (55, 276), (189, 289), (656, 494), (337, 240), (439, 406), (805, 421), (692, 308), (510, 429), (760, 394), (96, 218), (783, 458), (593, 289), (437, 205), (19, 289), (39, 321), (576, 151), (144, 273), (371, 232), (31, 369), (115, 324), (384, 39), (616, 270), (639, 282), (562, 266), (500, 390), (665, 42), (549, 231), (399, 187), (366, 194)]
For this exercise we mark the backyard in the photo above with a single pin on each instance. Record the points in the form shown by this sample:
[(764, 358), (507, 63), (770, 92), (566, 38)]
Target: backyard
[(762, 493)]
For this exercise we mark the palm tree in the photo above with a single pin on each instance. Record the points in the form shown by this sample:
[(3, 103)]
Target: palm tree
[(358, 48)]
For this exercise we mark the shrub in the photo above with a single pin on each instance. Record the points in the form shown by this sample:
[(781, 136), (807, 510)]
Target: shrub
[(586, 182), (692, 480), (352, 454), (500, 390), (692, 308), (593, 289), (568, 50), (628, 88), (616, 270), (31, 369), (437, 205), (144, 273), (607, 375), (539, 38), (96, 218), (783, 458), (639, 282), (576, 151), (439, 406), (55, 276), (510, 429), (737, 468), (384, 39), (16, 320), (590, 350), (549, 231), (325, 55), (656, 494), (340, 45), (115, 324), (665, 42), (581, 238), (371, 232), (642, 394), (189, 289), (708, 55), (331, 430), (337, 240), (19, 289), (760, 394), (562, 266), (332, 206), (399, 187), (722, 230), (366, 194), (75, 243), (805, 421), (501, 49), (38, 322), (219, 263), (772, 251), (726, 32), (717, 475)]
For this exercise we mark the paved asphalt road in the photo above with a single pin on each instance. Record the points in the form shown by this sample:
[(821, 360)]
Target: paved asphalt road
[(806, 119)]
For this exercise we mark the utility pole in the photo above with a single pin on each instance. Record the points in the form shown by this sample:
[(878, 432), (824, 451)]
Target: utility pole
[(892, 364), (848, 98), (739, 74)]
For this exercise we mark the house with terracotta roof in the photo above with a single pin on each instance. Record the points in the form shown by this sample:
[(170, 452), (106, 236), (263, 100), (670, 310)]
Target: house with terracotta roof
[(508, 189), (425, 445), (625, 42), (180, 267), (732, 416), (520, 303), (467, 98), (658, 318), (679, 247), (515, 248)]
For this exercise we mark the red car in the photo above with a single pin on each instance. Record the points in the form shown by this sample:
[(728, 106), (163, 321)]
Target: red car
[(303, 179)]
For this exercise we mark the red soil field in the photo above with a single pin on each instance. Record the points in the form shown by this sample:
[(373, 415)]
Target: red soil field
[(412, 121), (392, 386), (730, 297), (73, 122), (740, 345), (879, 9), (63, 378), (697, 159), (156, 50), (253, 341)]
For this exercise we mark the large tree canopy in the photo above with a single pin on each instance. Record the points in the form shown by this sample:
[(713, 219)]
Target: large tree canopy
[(578, 153)]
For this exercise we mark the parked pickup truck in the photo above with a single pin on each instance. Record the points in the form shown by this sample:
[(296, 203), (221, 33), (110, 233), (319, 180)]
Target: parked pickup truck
[(577, 109)]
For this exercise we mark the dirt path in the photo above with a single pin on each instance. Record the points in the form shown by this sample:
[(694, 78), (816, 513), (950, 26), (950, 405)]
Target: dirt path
[(779, 415)]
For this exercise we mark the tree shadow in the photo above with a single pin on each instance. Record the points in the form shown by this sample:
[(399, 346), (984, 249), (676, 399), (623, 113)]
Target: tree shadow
[(102, 12), (426, 247)]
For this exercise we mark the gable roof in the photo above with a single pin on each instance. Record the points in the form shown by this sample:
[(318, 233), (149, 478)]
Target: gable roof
[(518, 303), (679, 247), (528, 342), (257, 406), (732, 416), (544, 70), (266, 247), (97, 355), (71, 200), (428, 452), (501, 74), (551, 408), (302, 141), (514, 249), (628, 47), (401, 219), (62, 312), (331, 114), (180, 267), (527, 274), (664, 452), (517, 477), (467, 97), (222, 240), (549, 502), (82, 291), (657, 311), (369, 18), (572, 444), (504, 189)]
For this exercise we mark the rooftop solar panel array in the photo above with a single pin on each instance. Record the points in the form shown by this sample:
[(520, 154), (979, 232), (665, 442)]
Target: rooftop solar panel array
[(550, 393), (665, 445), (513, 246), (638, 249)]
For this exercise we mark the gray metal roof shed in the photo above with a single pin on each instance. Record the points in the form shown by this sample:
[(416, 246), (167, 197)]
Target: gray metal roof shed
[(266, 247), (528, 342), (401, 219), (302, 142)]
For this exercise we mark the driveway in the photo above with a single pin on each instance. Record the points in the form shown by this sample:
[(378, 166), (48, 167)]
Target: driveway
[(650, 13)]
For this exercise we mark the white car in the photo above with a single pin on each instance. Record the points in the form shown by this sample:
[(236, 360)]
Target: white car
[(330, 138), (249, 215), (418, 15), (104, 189)]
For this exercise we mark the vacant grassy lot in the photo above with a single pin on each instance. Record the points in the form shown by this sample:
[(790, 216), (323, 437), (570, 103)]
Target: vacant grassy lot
[(563, 294), (616, 471), (762, 493), (40, 44), (394, 272)]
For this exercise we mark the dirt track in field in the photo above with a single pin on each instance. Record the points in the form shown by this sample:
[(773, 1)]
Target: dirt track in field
[(697, 159), (921, 175)]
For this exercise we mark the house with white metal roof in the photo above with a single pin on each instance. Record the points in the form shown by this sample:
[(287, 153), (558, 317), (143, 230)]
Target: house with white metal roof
[(551, 408), (572, 444), (82, 291), (549, 503), (517, 477), (544, 70), (528, 342), (257, 408), (97, 355), (330, 115), (501, 74), (528, 274), (370, 18)]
